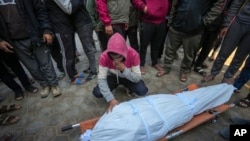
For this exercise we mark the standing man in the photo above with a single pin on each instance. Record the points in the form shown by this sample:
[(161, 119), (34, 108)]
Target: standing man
[(237, 35), (152, 28), (187, 21), (83, 26), (25, 28)]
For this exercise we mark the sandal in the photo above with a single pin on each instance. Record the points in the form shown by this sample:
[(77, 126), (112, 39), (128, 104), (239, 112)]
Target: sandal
[(183, 77), (31, 89), (244, 103), (158, 67), (78, 81), (208, 78), (19, 96), (142, 70), (162, 72), (7, 119), (13, 107)]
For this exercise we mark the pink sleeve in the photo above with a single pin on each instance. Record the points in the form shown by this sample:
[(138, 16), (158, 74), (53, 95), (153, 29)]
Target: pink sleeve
[(102, 9)]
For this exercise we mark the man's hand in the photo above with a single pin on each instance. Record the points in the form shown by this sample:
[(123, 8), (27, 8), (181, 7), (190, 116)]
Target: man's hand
[(112, 104), (223, 32), (47, 38), (109, 30), (119, 65), (6, 47), (145, 9)]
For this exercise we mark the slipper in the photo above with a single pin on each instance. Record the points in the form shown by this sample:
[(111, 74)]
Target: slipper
[(183, 77), (200, 71), (208, 78), (78, 81), (80, 75), (142, 70), (244, 103), (7, 119), (158, 67), (13, 107), (19, 96), (162, 72), (31, 89)]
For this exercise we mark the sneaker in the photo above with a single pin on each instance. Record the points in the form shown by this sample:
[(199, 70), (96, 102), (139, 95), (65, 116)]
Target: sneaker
[(56, 91), (200, 71), (60, 76), (91, 76), (45, 91)]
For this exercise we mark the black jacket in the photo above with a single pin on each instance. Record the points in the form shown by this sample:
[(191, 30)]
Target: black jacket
[(191, 16), (240, 9), (36, 18)]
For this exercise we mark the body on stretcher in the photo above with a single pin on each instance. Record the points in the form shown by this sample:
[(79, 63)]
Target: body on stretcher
[(195, 121)]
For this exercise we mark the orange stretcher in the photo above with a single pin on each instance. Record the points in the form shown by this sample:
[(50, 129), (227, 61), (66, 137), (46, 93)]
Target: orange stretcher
[(197, 120)]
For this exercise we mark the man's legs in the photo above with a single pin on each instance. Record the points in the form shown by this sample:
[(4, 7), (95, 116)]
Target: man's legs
[(85, 35), (132, 36), (66, 42)]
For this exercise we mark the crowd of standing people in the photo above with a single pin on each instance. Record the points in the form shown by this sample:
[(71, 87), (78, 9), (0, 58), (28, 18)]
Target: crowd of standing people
[(44, 28)]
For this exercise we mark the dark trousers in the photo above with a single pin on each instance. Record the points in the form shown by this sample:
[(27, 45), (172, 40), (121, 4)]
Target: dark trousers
[(163, 41), (37, 60), (131, 33), (244, 75), (85, 34), (207, 43), (238, 35), (67, 43), (103, 38), (55, 51), (152, 34), (139, 88), (10, 60)]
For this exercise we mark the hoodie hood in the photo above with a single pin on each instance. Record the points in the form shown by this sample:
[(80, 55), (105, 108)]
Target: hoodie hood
[(117, 44)]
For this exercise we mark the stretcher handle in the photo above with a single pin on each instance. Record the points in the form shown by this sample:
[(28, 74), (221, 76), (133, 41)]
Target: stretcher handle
[(65, 128)]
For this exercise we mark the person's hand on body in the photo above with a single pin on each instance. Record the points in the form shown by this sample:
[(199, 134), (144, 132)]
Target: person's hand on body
[(6, 47), (112, 104)]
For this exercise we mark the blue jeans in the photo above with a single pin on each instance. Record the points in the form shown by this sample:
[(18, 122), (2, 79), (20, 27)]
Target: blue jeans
[(139, 88), (244, 75)]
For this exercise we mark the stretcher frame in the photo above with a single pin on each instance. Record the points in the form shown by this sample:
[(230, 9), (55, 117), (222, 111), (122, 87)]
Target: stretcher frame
[(211, 114)]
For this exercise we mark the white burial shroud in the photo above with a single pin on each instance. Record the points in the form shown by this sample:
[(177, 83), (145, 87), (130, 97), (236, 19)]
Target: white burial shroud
[(152, 117)]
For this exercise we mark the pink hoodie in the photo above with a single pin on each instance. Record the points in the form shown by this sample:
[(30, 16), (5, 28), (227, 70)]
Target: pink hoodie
[(117, 44)]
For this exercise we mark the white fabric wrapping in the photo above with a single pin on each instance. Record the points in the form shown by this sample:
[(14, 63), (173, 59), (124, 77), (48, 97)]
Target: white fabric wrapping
[(152, 117)]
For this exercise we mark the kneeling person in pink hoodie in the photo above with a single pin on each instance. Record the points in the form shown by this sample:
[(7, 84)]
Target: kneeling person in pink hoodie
[(119, 65)]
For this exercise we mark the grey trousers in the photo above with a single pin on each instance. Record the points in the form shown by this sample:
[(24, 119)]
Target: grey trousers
[(190, 45), (85, 34), (238, 36), (37, 60)]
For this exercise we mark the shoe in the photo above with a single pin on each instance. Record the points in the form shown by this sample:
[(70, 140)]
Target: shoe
[(31, 89), (208, 78), (56, 91), (60, 76), (91, 76), (225, 133), (45, 91), (87, 70), (200, 71), (240, 121)]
